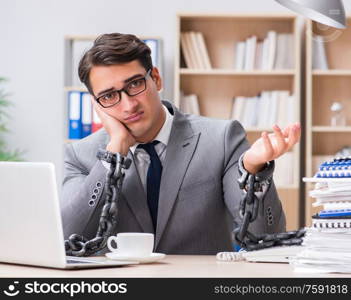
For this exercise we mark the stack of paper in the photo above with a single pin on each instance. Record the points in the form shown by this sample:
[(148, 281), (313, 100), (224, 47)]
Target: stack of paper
[(325, 250), (327, 243)]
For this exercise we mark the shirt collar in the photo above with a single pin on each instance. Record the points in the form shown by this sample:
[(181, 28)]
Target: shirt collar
[(164, 133)]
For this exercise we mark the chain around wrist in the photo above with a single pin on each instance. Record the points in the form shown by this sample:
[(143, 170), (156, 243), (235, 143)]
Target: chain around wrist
[(262, 177), (112, 157)]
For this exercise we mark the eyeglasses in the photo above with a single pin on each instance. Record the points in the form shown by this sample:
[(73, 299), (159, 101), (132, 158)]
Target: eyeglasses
[(133, 88)]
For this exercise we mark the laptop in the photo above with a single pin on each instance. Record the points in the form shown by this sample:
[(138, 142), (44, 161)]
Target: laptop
[(30, 220)]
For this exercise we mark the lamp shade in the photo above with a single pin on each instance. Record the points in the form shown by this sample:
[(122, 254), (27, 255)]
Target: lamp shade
[(328, 12)]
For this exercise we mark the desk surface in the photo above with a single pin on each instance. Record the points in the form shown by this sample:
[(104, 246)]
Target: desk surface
[(170, 266)]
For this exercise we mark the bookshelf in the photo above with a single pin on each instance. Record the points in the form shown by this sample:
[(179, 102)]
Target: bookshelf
[(216, 87), (324, 86), (75, 46)]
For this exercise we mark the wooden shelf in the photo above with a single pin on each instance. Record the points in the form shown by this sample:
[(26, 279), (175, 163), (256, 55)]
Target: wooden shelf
[(185, 71), (339, 72), (287, 187), (331, 129), (256, 129), (236, 16), (92, 37), (75, 88), (323, 87)]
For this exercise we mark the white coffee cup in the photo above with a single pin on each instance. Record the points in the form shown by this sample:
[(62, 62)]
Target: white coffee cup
[(132, 243)]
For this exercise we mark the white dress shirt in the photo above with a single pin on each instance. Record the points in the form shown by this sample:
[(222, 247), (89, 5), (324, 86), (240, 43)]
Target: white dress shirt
[(142, 158)]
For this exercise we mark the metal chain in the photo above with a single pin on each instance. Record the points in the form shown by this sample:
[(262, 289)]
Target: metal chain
[(77, 245), (249, 211)]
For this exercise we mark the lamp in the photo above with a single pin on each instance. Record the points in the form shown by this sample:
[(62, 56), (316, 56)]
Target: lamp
[(328, 12)]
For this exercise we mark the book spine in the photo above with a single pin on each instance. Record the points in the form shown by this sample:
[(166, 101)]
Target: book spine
[(74, 115), (86, 114), (96, 124)]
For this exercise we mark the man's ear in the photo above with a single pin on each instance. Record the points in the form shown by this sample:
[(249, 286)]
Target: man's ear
[(156, 77)]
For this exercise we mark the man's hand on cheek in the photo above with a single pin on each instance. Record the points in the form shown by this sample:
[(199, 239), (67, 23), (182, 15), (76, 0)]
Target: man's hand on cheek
[(120, 137)]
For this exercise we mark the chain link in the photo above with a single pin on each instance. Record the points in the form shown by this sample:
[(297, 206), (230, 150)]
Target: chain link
[(249, 211), (77, 245)]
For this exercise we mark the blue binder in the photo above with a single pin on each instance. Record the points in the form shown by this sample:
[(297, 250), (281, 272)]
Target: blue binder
[(335, 213), (74, 115), (86, 114)]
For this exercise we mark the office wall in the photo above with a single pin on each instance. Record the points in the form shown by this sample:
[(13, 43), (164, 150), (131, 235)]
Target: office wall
[(32, 52)]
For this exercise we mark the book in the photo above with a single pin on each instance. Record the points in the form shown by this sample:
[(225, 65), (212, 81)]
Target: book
[(154, 45), (265, 50), (263, 117), (258, 56), (253, 111), (186, 51), (86, 114), (289, 57), (284, 170), (240, 56), (244, 118), (275, 51), (291, 109), (273, 112), (317, 160), (189, 104), (74, 115), (194, 104), (238, 107), (283, 109), (191, 49), (282, 52), (96, 122), (184, 104), (265, 110), (250, 53), (79, 47), (195, 49), (203, 50), (319, 57), (272, 44), (249, 114), (247, 54)]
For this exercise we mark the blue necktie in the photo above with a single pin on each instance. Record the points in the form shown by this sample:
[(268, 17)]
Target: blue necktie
[(153, 179)]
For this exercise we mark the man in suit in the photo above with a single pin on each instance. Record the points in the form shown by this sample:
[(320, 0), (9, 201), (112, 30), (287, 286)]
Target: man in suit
[(182, 184)]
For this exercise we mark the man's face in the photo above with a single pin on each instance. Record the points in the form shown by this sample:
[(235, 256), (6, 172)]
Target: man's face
[(141, 114)]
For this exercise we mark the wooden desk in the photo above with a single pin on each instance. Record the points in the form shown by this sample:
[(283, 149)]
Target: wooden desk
[(170, 266)]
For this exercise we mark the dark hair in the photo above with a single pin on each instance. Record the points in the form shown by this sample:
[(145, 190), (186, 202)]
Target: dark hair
[(112, 49)]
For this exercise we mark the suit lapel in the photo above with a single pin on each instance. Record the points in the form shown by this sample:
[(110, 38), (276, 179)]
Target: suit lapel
[(180, 150), (135, 197)]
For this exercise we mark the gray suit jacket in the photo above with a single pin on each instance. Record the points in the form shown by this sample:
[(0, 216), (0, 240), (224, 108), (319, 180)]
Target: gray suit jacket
[(199, 194)]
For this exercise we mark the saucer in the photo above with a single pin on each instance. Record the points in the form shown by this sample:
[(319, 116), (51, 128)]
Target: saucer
[(141, 259)]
